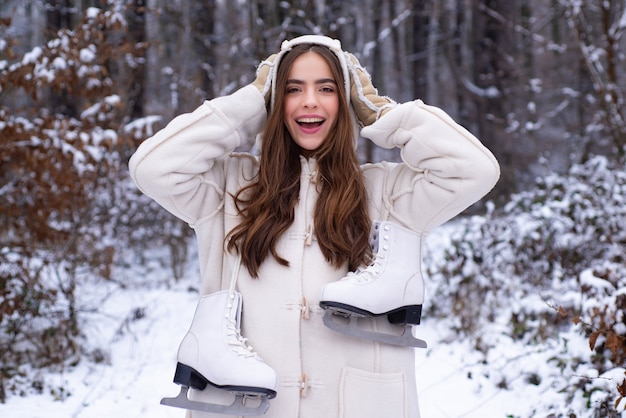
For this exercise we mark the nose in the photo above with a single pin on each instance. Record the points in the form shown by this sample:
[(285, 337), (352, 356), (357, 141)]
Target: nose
[(310, 99)]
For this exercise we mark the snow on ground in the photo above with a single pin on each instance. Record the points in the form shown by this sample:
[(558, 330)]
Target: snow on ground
[(139, 368), (138, 330)]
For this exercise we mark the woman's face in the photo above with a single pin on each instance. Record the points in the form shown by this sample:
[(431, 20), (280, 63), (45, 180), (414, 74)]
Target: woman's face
[(311, 101)]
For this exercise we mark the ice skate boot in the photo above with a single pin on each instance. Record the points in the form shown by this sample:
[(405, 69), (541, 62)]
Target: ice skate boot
[(391, 285), (214, 352)]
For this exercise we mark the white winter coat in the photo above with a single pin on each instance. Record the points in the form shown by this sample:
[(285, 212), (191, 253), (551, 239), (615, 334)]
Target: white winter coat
[(190, 169)]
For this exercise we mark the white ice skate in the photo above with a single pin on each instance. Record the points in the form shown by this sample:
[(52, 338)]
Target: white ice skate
[(391, 285), (214, 352)]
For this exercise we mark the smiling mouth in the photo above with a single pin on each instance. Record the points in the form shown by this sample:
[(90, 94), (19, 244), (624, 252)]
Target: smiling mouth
[(310, 122)]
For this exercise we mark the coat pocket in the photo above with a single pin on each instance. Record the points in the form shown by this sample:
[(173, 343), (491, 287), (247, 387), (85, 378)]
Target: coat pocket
[(372, 395)]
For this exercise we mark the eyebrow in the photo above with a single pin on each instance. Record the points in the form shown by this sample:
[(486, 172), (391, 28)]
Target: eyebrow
[(320, 81)]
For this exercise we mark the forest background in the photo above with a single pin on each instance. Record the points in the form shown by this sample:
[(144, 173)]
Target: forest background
[(540, 82)]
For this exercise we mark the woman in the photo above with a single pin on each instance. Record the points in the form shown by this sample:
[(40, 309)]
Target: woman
[(298, 217)]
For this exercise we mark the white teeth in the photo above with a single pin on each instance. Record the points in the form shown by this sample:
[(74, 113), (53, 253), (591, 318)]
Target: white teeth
[(310, 120)]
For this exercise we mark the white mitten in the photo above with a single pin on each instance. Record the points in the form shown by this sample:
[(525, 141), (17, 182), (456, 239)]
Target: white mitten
[(367, 104), (263, 82)]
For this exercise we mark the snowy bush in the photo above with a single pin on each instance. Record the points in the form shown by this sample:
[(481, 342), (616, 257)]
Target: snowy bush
[(68, 210), (549, 262)]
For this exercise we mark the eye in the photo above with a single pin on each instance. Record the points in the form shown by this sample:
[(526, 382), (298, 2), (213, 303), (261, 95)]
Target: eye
[(327, 89), (292, 89)]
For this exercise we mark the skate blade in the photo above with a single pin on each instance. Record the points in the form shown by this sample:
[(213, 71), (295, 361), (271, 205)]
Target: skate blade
[(238, 407), (406, 339)]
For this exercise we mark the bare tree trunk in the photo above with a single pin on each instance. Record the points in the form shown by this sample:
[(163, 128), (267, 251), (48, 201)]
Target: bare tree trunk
[(137, 32), (422, 45), (492, 52), (60, 15), (203, 26)]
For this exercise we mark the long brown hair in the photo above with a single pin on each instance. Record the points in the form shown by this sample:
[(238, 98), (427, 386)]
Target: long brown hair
[(267, 206)]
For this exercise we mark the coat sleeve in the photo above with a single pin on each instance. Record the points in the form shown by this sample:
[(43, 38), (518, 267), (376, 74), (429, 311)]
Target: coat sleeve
[(182, 166), (445, 169)]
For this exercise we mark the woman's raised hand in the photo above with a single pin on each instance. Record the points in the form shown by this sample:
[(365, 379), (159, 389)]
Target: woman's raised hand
[(263, 81), (367, 104)]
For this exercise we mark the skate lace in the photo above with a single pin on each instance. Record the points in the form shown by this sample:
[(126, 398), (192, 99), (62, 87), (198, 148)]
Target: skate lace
[(369, 272), (238, 343)]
